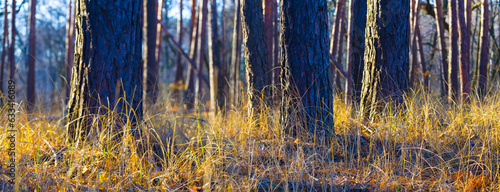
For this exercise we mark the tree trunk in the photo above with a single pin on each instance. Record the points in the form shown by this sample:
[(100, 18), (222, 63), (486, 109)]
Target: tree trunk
[(12, 63), (189, 92), (214, 58), (305, 74), (236, 55), (355, 49), (222, 85), (159, 38), (464, 52), (385, 76), (340, 50), (108, 68), (31, 92), (179, 69), (202, 37), (485, 54), (151, 65), (442, 47), (453, 61), (4, 47), (334, 39), (276, 53), (423, 65), (268, 31), (414, 58), (70, 46), (256, 57)]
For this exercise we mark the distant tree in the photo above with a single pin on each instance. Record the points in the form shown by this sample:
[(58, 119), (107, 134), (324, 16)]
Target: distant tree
[(151, 65), (12, 63), (442, 46), (234, 71), (4, 46), (189, 91), (214, 57), (179, 68), (222, 80), (70, 46), (31, 92), (202, 41), (453, 56), (256, 60), (484, 54), (355, 48), (464, 33), (385, 76), (108, 67), (305, 66)]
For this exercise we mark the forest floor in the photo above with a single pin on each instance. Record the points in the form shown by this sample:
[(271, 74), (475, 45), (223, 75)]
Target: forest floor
[(427, 146)]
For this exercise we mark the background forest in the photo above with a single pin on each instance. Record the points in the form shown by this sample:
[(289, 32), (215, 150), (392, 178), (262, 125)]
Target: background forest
[(264, 95)]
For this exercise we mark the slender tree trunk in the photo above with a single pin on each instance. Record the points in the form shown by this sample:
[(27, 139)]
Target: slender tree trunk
[(222, 87), (178, 67), (31, 92), (70, 46), (464, 51), (268, 31), (214, 57), (485, 54), (334, 39), (151, 65), (306, 75), (453, 61), (4, 47), (159, 37), (189, 93), (340, 50), (423, 64), (276, 53), (356, 48), (202, 38), (236, 55), (385, 77), (442, 47), (107, 65), (414, 58), (12, 63), (256, 57)]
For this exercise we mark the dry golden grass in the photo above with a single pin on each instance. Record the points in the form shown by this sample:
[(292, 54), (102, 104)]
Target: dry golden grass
[(427, 146)]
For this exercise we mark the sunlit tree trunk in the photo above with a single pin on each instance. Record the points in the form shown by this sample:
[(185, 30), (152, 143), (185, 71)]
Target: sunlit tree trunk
[(453, 56), (70, 45), (256, 57), (31, 92), (442, 47), (234, 74), (485, 54), (108, 70), (385, 77), (464, 51), (305, 74), (151, 65)]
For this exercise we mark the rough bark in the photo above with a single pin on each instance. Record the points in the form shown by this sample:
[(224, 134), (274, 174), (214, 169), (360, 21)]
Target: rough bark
[(464, 51), (256, 57), (31, 92), (385, 76), (4, 46), (178, 65), (214, 57), (151, 65), (234, 73), (356, 49), (70, 46), (12, 63), (202, 38), (485, 54), (305, 71), (442, 47), (453, 56), (108, 68)]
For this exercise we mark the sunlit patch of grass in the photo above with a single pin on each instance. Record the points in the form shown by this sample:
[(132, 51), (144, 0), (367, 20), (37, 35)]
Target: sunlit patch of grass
[(425, 144)]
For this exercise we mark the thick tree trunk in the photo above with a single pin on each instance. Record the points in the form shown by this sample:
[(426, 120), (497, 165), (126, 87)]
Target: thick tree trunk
[(442, 47), (214, 58), (356, 49), (236, 55), (189, 92), (268, 31), (12, 63), (453, 61), (464, 52), (385, 77), (485, 54), (306, 74), (202, 38), (179, 69), (151, 65), (31, 92), (70, 46), (256, 57), (4, 46), (108, 68)]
